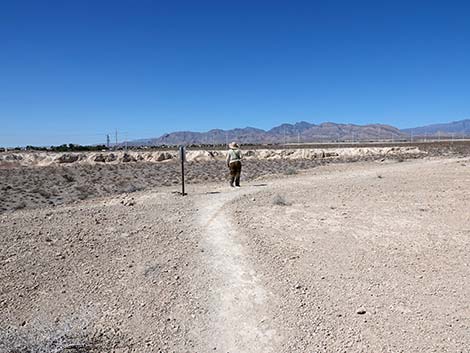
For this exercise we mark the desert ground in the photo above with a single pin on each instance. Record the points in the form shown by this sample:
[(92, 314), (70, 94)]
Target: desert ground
[(366, 254), (38, 179)]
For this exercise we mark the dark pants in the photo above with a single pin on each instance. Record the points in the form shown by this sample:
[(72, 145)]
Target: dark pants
[(235, 171)]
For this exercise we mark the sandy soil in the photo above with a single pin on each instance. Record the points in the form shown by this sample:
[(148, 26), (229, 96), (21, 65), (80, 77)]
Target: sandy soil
[(368, 256)]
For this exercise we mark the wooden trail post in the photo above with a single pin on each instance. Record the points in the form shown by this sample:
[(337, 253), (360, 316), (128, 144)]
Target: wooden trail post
[(182, 156)]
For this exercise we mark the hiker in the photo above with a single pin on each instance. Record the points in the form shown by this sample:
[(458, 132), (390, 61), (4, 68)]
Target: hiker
[(234, 157)]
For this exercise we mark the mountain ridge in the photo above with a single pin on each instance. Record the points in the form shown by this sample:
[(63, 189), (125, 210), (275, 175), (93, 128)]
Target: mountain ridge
[(453, 127), (303, 131)]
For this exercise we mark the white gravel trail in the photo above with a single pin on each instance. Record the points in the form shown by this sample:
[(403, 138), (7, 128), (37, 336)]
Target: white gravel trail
[(240, 303)]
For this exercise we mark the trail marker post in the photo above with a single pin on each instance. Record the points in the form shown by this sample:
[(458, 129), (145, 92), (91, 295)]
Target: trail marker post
[(182, 156)]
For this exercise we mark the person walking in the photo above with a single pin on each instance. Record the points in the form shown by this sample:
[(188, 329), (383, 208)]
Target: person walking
[(234, 163)]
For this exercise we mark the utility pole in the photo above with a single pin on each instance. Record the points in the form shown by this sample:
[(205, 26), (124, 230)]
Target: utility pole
[(116, 137), (107, 141)]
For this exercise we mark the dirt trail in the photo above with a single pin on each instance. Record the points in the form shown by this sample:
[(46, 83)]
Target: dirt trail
[(239, 300)]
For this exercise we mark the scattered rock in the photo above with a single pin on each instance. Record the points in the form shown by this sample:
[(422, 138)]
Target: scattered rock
[(128, 202)]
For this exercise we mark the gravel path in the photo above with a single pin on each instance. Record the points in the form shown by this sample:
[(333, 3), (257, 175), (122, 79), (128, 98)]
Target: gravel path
[(239, 301)]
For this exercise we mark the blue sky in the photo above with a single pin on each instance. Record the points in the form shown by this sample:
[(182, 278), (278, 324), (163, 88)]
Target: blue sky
[(72, 71)]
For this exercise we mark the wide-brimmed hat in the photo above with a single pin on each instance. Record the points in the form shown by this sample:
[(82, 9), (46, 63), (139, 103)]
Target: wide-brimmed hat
[(233, 145)]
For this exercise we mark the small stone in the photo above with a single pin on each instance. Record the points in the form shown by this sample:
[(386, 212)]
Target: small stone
[(361, 311)]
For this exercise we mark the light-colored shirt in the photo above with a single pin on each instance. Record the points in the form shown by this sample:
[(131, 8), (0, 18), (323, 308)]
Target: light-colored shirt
[(234, 155)]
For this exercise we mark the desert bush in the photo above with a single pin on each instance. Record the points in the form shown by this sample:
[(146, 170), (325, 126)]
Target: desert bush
[(131, 188), (84, 191), (20, 205), (278, 200), (69, 178), (43, 192), (290, 171), (151, 270)]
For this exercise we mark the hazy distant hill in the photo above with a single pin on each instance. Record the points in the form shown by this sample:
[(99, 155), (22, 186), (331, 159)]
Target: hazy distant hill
[(302, 131), (456, 127)]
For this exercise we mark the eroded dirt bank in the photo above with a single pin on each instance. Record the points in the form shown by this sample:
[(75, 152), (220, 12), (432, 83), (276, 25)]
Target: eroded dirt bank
[(42, 159)]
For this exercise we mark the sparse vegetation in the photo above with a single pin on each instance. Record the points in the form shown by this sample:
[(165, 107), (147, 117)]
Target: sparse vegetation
[(20, 205), (279, 200), (43, 192), (290, 171), (69, 178), (84, 191)]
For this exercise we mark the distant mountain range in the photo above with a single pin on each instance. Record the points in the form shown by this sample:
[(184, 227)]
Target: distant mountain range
[(304, 132), (461, 127)]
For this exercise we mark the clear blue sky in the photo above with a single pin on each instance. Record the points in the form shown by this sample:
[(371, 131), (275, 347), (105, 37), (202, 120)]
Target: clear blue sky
[(72, 71)]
